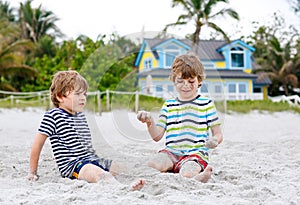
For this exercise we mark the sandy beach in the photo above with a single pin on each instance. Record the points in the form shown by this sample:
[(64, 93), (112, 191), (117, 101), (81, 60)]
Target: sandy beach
[(258, 163)]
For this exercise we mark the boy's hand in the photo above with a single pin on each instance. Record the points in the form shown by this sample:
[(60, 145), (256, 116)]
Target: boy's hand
[(144, 116), (32, 177), (212, 142)]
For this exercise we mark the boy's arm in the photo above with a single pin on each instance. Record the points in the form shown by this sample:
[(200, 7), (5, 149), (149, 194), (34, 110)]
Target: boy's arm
[(35, 155), (156, 132), (216, 139), (217, 132)]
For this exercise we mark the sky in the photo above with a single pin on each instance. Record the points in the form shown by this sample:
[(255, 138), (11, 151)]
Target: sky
[(127, 17)]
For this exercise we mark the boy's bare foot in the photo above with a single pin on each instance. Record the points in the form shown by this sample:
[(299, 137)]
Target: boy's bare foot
[(138, 185), (205, 175)]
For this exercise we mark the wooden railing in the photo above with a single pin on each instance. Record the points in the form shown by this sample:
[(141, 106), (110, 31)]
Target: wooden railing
[(292, 100), (218, 96)]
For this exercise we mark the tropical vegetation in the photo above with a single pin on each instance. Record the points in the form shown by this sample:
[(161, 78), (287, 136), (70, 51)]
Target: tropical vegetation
[(12, 56), (32, 49), (277, 55), (202, 13)]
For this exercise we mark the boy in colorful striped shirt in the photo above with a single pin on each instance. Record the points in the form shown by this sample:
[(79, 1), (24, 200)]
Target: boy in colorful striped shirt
[(185, 122)]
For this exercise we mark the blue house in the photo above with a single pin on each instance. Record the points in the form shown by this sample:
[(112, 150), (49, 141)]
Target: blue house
[(228, 67)]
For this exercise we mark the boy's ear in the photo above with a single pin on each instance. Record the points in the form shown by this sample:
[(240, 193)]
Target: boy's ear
[(59, 98)]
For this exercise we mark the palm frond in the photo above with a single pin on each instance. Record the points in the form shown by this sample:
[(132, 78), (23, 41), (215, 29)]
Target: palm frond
[(218, 29)]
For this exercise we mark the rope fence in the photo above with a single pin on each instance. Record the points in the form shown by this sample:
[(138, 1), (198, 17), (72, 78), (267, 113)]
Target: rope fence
[(42, 98)]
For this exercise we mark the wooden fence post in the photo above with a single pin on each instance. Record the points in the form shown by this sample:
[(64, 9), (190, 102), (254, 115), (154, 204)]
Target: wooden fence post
[(99, 102), (107, 100), (136, 101), (11, 100), (39, 96)]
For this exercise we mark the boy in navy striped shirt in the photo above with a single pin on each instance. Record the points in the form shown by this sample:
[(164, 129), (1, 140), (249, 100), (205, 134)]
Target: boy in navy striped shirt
[(185, 122), (69, 134)]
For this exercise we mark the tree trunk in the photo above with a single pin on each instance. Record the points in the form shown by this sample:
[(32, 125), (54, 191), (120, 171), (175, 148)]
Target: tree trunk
[(196, 39)]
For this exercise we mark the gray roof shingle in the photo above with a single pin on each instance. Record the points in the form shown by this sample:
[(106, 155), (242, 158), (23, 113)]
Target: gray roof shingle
[(207, 49)]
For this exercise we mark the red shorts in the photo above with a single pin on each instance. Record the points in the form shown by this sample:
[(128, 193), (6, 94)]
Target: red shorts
[(179, 160)]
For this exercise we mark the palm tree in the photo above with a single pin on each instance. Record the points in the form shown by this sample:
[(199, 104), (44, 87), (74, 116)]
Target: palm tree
[(37, 22), (280, 65), (6, 11), (295, 4), (12, 55), (201, 13)]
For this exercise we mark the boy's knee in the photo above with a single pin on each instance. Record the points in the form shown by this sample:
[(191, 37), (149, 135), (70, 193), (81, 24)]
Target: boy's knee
[(152, 164), (159, 166), (87, 173), (161, 162), (187, 174), (190, 169)]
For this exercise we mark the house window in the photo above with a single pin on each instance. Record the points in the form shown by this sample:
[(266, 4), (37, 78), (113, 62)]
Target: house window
[(257, 90), (232, 88), (170, 58), (159, 88), (171, 88), (237, 55), (204, 88), (237, 88), (242, 88), (218, 88), (148, 64), (171, 52)]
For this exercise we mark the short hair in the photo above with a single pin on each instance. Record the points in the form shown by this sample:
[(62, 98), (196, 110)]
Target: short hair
[(64, 82), (188, 66)]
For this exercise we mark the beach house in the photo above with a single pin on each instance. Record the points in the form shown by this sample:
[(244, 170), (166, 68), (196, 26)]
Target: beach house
[(228, 67)]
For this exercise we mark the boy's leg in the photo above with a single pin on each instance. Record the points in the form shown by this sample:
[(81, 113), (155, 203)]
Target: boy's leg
[(205, 175), (117, 168), (92, 173), (190, 169), (161, 162)]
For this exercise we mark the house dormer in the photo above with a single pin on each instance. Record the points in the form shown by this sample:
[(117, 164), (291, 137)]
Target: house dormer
[(156, 53), (237, 55)]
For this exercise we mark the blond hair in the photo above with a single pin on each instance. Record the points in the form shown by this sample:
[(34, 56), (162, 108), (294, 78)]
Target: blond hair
[(188, 66), (64, 82)]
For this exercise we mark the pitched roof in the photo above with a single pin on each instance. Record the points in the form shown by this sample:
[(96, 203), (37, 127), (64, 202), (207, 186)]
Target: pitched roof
[(207, 49), (262, 79)]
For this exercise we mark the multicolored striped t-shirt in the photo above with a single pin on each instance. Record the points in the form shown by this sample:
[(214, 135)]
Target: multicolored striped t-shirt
[(187, 125)]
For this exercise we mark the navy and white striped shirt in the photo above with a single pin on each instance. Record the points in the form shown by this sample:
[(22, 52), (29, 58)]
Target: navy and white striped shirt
[(70, 138)]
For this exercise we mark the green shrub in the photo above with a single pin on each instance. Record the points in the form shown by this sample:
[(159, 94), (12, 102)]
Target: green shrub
[(245, 106)]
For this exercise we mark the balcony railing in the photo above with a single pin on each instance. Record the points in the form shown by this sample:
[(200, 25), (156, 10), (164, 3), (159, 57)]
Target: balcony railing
[(218, 96)]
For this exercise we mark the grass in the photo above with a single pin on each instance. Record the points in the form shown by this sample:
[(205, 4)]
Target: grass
[(154, 104), (245, 106)]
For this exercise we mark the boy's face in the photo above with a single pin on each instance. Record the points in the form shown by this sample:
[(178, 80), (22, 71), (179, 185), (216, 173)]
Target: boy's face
[(186, 88), (73, 102)]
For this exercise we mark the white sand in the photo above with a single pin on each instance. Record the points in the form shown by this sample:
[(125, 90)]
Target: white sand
[(258, 163)]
